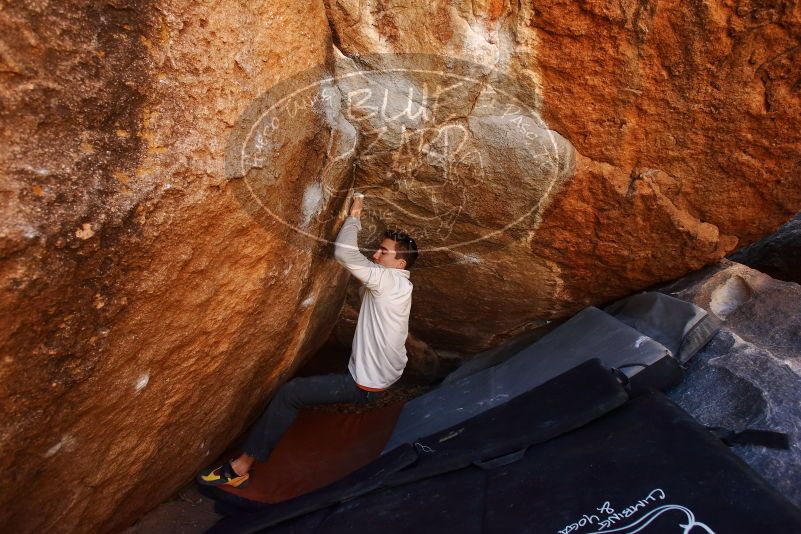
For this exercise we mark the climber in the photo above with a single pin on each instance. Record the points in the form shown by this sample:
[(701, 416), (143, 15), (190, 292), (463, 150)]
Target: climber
[(377, 359)]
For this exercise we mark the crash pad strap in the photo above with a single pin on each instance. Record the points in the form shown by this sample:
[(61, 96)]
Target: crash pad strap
[(750, 436)]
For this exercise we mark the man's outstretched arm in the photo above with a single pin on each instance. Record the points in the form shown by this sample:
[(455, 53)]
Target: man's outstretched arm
[(346, 252)]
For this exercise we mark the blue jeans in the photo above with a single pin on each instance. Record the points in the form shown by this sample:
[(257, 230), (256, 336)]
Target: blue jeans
[(294, 395)]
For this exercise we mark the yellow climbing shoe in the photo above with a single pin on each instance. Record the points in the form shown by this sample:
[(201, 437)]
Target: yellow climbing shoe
[(223, 475)]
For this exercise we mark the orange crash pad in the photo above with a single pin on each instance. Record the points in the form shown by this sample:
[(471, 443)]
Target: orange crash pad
[(318, 449)]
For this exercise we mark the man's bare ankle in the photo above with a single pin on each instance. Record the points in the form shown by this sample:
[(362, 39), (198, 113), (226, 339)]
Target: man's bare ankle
[(240, 467)]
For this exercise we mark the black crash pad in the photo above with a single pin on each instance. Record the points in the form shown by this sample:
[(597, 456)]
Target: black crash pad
[(563, 404), (644, 467)]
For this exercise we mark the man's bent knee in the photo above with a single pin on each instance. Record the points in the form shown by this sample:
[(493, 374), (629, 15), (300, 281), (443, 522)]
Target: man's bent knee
[(288, 393)]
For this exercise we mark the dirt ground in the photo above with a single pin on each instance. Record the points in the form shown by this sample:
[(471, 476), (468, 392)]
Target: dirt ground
[(187, 513)]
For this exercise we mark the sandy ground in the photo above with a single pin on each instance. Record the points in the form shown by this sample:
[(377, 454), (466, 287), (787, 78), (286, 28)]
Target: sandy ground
[(188, 513)]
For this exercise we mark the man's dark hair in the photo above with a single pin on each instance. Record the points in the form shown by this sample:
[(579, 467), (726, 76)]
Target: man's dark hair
[(405, 246)]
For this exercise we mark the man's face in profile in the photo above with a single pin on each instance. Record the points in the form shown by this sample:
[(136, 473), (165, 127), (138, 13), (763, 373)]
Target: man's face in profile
[(385, 255)]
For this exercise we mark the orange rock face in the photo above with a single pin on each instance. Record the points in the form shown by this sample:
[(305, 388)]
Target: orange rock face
[(688, 121), (173, 173), (685, 126), (145, 315)]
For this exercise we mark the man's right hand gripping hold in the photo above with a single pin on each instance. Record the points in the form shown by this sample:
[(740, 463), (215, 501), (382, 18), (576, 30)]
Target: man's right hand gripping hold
[(377, 359)]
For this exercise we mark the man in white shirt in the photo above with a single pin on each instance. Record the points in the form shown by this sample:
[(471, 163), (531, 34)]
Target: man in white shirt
[(377, 359)]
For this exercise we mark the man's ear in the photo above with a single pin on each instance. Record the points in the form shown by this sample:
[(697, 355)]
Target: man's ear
[(404, 263)]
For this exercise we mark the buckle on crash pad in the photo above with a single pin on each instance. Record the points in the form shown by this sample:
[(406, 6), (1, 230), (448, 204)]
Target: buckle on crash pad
[(621, 377), (499, 461)]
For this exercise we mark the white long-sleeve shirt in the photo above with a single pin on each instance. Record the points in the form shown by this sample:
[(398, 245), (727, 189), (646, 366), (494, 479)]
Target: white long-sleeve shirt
[(378, 356)]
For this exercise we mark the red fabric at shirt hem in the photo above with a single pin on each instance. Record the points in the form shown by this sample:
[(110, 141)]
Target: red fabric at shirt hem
[(369, 389)]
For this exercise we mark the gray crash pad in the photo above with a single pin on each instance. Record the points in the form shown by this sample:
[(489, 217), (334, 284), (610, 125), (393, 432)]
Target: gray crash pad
[(589, 334), (682, 327)]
